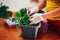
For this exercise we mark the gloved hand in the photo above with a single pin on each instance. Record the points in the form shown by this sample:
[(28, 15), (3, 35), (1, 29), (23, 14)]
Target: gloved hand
[(33, 10), (36, 18)]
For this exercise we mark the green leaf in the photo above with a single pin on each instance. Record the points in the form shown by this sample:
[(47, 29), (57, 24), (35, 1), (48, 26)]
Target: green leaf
[(23, 11), (18, 14)]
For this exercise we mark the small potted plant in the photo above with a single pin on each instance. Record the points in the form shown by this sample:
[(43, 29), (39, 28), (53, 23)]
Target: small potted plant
[(5, 15), (3, 11), (23, 20)]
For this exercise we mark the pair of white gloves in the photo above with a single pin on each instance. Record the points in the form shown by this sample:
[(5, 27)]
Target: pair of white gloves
[(36, 17)]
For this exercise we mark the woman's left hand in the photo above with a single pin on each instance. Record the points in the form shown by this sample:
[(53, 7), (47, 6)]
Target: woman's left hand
[(36, 18)]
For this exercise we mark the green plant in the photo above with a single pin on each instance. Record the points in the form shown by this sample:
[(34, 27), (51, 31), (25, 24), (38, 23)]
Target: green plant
[(23, 11), (3, 11), (22, 18)]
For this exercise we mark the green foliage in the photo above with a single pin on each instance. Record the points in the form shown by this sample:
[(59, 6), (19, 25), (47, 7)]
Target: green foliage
[(17, 20), (18, 14), (25, 20), (23, 11), (3, 11), (21, 17)]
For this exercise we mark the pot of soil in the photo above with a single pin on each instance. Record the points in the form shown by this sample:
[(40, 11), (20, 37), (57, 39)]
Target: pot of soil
[(30, 31)]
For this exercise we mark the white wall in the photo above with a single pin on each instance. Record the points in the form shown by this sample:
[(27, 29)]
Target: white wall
[(15, 5)]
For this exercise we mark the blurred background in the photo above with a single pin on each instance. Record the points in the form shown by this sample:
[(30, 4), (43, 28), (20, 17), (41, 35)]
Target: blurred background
[(15, 5)]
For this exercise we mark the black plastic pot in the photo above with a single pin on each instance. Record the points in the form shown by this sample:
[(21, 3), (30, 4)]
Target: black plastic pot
[(29, 31)]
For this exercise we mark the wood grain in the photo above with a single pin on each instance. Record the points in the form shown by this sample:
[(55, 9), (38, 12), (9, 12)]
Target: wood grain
[(7, 33)]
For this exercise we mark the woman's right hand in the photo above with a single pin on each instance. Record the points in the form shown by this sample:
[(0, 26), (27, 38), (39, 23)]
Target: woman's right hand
[(33, 10)]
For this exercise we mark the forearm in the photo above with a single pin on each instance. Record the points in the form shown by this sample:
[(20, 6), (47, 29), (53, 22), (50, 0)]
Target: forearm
[(41, 4), (53, 13)]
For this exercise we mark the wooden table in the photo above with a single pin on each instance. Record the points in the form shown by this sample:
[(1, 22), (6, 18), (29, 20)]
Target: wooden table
[(7, 33)]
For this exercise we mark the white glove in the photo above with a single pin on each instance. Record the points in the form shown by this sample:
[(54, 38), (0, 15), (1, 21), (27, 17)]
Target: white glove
[(32, 10), (36, 18)]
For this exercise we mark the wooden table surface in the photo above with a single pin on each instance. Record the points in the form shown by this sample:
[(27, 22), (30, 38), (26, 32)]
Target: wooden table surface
[(7, 33)]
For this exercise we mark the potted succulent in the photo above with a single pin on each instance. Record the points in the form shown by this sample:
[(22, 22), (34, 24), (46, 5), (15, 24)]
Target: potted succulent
[(23, 20)]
